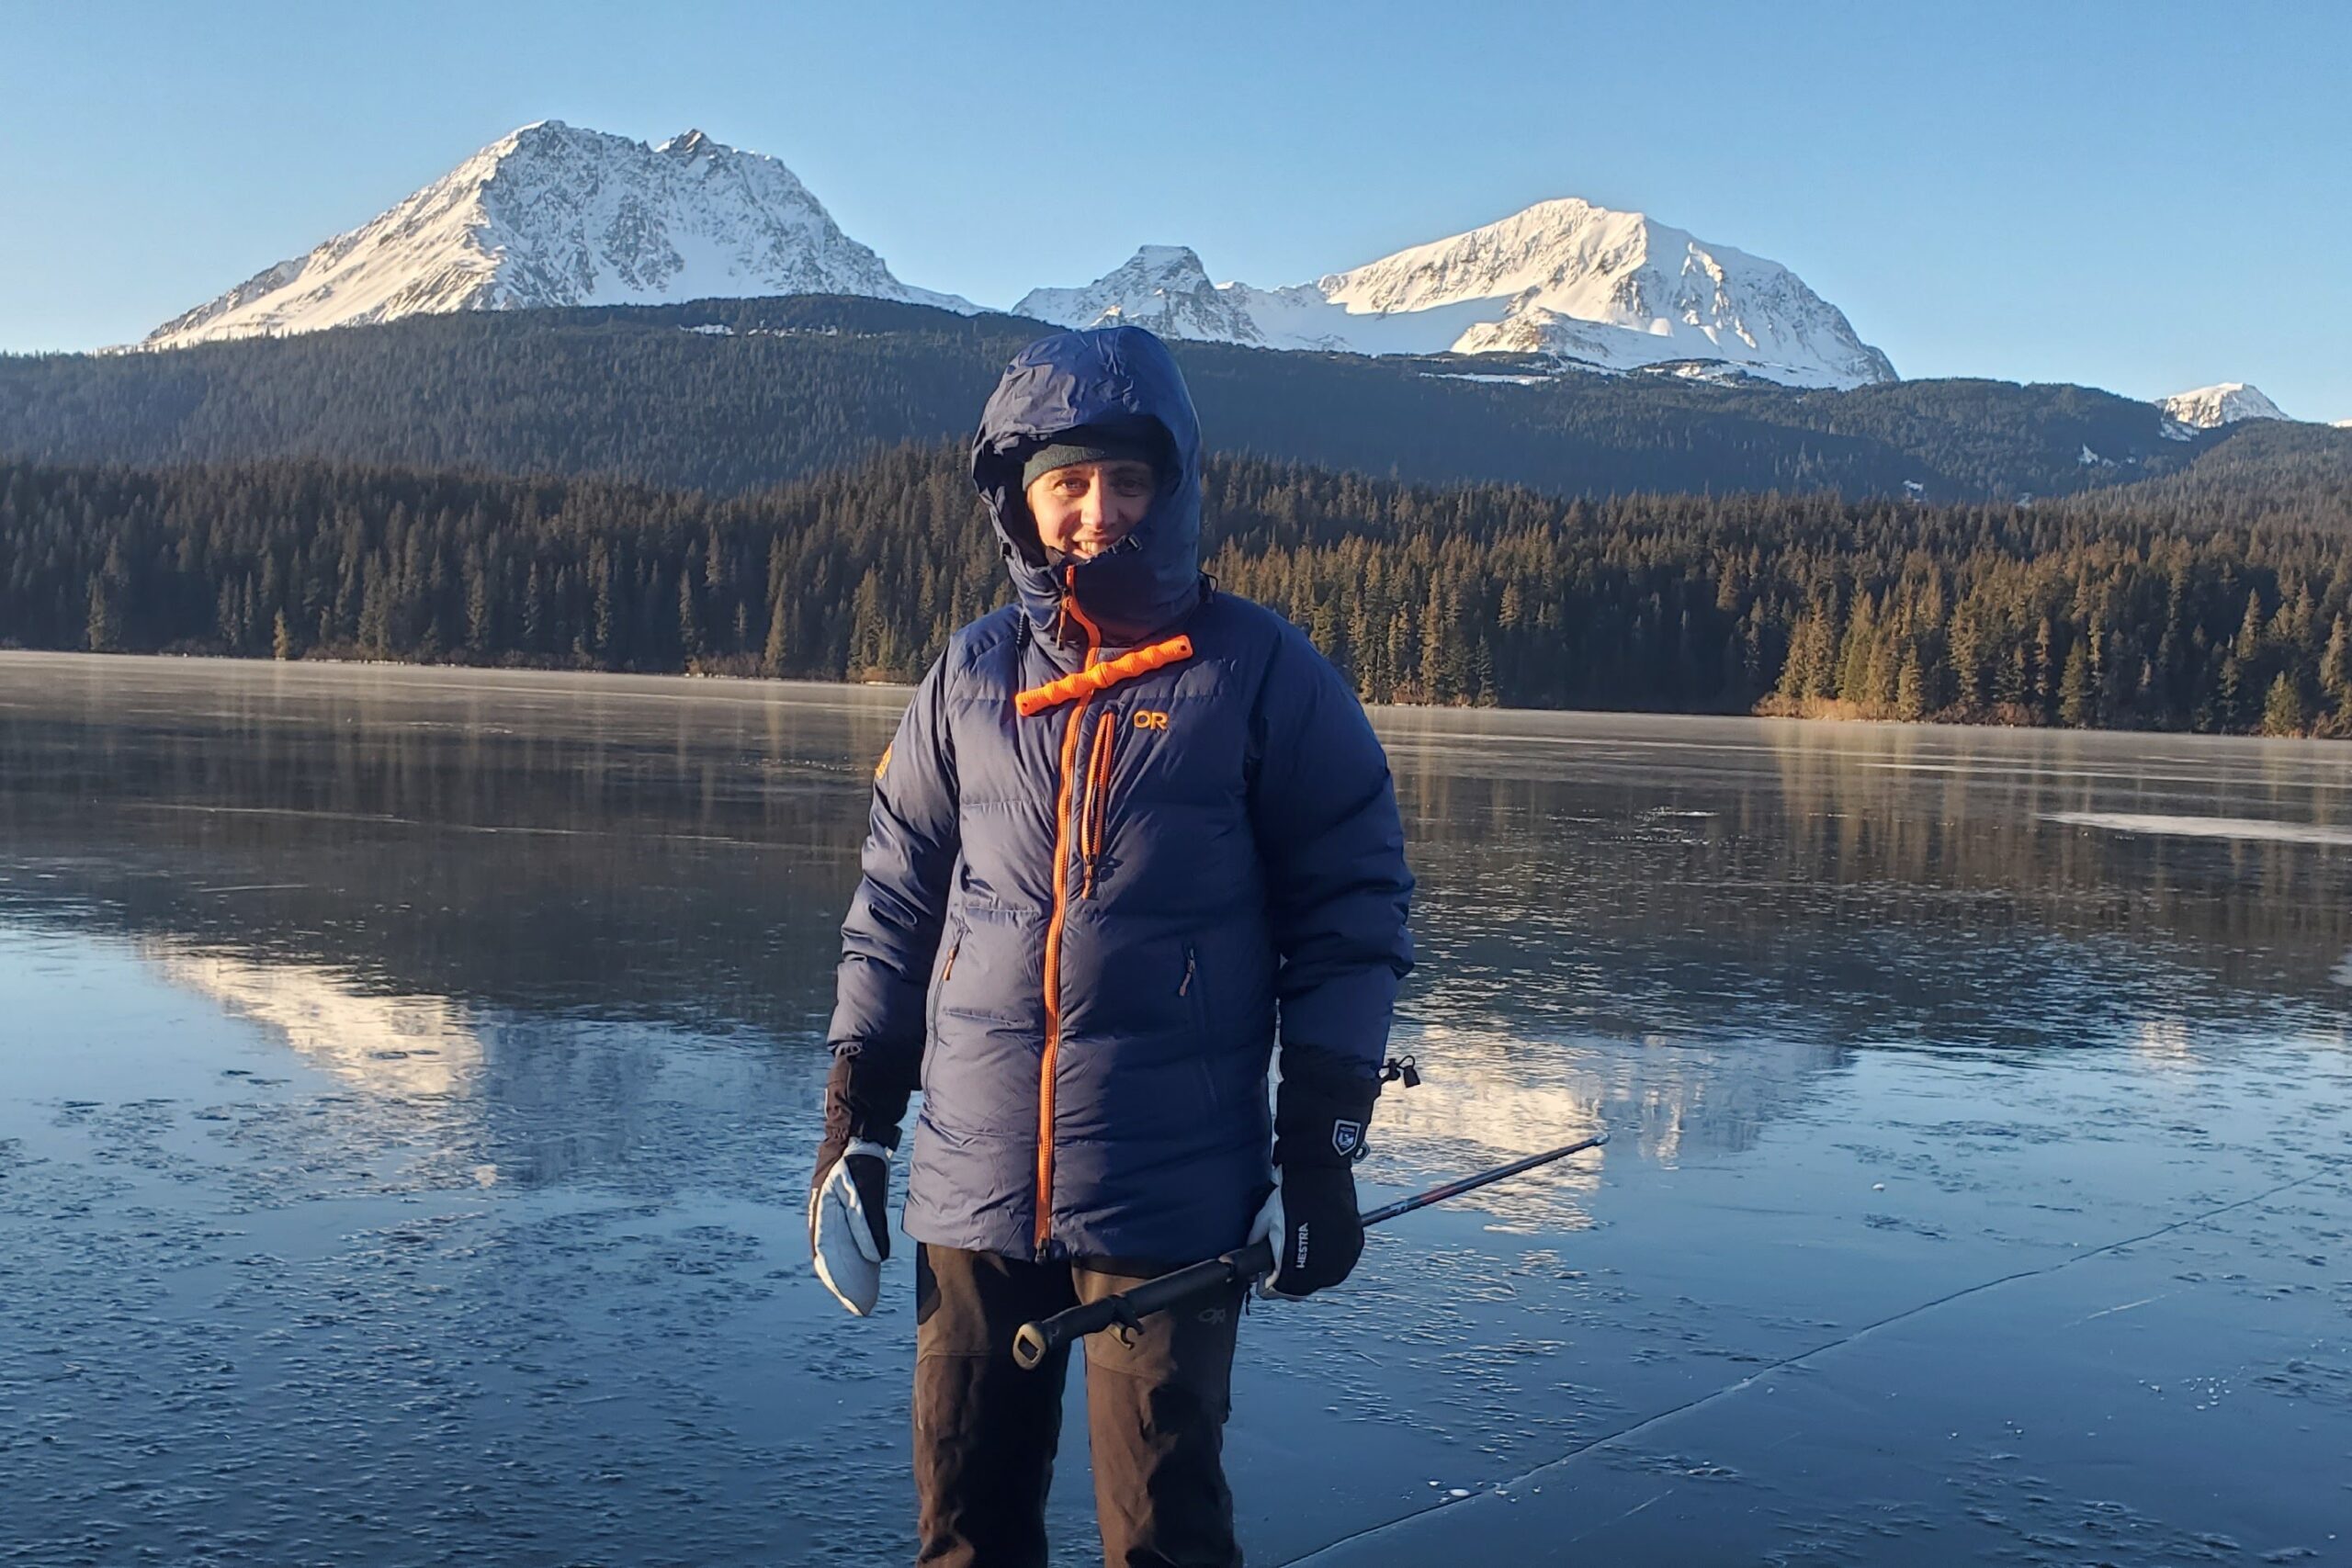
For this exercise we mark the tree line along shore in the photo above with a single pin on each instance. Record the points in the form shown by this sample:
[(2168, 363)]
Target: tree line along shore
[(2160, 607)]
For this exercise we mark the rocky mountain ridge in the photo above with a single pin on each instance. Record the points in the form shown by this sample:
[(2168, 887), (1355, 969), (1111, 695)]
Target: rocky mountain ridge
[(1563, 280), (552, 215)]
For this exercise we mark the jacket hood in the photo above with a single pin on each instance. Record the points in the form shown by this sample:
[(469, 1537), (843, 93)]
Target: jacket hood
[(1114, 376)]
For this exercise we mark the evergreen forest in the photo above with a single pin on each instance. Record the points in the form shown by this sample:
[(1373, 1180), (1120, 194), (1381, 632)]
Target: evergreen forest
[(2154, 605), (737, 396)]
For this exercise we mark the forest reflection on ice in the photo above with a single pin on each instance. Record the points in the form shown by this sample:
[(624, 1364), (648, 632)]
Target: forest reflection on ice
[(407, 1078)]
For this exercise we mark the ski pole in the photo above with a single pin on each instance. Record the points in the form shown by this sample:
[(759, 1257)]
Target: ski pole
[(1033, 1342)]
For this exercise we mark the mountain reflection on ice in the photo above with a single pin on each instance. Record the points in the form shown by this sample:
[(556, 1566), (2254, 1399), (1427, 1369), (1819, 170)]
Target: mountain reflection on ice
[(397, 1044), (408, 1076)]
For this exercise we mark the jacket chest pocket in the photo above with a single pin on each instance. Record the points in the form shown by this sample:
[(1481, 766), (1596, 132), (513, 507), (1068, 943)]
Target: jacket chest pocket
[(1123, 768), (1094, 801)]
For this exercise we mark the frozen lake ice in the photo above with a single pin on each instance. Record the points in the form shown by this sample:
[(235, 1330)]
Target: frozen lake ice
[(408, 1079)]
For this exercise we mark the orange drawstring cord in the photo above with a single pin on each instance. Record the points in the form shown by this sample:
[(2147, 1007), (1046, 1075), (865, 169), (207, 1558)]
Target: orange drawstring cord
[(1102, 677)]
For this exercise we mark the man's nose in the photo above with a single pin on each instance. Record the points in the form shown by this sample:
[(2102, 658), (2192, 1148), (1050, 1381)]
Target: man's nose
[(1095, 509)]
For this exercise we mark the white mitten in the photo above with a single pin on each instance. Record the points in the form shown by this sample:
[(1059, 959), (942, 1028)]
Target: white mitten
[(849, 1224)]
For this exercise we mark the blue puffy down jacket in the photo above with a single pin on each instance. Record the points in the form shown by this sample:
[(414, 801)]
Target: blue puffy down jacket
[(1125, 825)]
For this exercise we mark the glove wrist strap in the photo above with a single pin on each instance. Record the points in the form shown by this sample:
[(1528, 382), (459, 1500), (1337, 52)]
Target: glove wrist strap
[(1320, 1120), (862, 1103)]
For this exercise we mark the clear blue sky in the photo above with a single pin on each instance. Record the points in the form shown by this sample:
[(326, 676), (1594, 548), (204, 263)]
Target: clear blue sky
[(2142, 197)]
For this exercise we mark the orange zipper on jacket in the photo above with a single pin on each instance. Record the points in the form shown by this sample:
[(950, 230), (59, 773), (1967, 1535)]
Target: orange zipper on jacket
[(1095, 820), (1070, 728)]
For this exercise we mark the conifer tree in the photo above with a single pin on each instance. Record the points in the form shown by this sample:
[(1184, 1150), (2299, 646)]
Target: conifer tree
[(2077, 707), (2335, 671), (2282, 711)]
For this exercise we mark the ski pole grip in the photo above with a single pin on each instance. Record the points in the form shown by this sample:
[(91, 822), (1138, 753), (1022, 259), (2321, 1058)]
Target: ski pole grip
[(1033, 1342)]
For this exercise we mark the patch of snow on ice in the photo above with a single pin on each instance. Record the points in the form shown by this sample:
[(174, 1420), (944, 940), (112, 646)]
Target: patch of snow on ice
[(2251, 829)]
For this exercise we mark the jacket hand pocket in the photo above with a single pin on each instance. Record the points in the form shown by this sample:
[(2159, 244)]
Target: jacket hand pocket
[(1193, 987), (949, 948)]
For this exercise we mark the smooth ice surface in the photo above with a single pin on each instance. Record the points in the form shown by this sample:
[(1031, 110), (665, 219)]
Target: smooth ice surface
[(408, 1079)]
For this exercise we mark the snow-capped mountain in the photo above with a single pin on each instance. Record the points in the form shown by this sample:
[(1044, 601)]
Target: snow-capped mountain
[(2224, 404), (1164, 287), (1581, 283), (555, 214)]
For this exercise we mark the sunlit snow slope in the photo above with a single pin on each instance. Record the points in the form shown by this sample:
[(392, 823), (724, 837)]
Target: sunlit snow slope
[(555, 215), (1615, 290), (2225, 403)]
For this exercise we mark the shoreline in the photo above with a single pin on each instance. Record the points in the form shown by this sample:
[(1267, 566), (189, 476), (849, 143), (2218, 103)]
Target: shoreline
[(1813, 710)]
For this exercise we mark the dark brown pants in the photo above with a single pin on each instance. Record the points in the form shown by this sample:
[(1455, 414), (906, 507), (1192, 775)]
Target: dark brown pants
[(985, 1431)]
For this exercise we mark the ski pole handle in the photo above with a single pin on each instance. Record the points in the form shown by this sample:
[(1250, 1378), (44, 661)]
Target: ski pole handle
[(1033, 1342)]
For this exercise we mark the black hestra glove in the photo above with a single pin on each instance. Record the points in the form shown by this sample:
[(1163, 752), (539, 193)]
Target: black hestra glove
[(1319, 1118), (848, 1197)]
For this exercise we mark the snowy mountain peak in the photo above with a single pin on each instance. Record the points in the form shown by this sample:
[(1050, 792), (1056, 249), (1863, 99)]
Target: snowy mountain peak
[(1178, 256), (1581, 282), (1544, 245), (1619, 289), (552, 214), (2225, 402), (1164, 287)]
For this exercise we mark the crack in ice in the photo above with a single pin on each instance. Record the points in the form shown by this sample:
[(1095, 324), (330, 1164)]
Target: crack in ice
[(2330, 1167)]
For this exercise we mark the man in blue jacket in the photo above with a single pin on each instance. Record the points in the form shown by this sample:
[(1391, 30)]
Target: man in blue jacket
[(1131, 832)]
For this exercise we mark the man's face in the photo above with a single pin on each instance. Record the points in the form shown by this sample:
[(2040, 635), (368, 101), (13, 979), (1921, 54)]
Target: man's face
[(1085, 508)]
